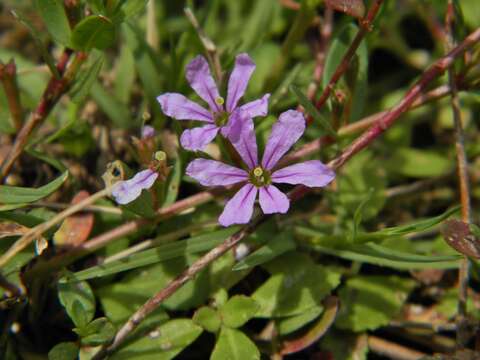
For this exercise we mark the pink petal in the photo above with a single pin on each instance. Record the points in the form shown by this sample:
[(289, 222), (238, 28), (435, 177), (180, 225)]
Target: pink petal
[(257, 107), (127, 191), (239, 209), (285, 132), (242, 137), (198, 138), (201, 80), (244, 67), (311, 173), (273, 200), (179, 107), (215, 173)]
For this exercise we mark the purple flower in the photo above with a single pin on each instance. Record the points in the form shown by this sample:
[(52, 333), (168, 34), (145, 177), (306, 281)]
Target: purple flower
[(217, 118), (260, 177), (128, 190), (147, 132)]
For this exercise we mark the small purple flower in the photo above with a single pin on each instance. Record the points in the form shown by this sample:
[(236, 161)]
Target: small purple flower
[(147, 132), (128, 190), (218, 118), (260, 177)]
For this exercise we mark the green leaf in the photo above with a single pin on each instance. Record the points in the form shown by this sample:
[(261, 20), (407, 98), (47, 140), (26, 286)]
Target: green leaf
[(292, 323), (238, 310), (117, 111), (162, 343), (313, 112), (419, 163), (95, 31), (383, 256), (147, 64), (53, 161), (275, 247), (47, 57), (208, 318), (128, 9), (82, 85), (296, 284), (55, 18), (358, 178), (233, 344), (78, 300), (21, 195), (64, 351), (99, 331), (162, 253), (173, 183), (369, 302)]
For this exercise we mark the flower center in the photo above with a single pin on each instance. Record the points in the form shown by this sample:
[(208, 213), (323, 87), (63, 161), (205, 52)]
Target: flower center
[(219, 101), (221, 118), (260, 177)]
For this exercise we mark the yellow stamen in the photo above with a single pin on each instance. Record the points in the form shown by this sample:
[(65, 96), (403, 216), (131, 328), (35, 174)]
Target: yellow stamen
[(258, 171), (219, 101)]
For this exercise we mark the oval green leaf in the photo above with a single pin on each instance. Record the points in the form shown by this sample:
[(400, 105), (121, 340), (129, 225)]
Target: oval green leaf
[(96, 31), (55, 18)]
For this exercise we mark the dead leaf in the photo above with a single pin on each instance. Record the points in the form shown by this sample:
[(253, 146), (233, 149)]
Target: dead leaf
[(76, 228), (458, 235)]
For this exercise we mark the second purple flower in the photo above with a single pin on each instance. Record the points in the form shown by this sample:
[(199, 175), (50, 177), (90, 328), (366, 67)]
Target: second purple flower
[(218, 118)]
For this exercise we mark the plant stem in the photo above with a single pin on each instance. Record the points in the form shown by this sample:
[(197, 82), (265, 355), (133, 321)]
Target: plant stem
[(463, 335), (53, 92), (439, 67), (8, 77), (365, 27), (299, 191)]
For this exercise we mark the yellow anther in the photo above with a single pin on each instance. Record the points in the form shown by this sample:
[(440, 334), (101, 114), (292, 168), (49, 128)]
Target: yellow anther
[(219, 101), (161, 156), (258, 171)]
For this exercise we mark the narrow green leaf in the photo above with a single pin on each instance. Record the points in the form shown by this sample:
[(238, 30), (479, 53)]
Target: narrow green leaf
[(173, 183), (39, 43), (55, 18), (117, 111), (233, 344), (292, 323), (382, 256), (20, 195), (81, 87), (95, 31), (311, 110), (162, 253), (55, 162)]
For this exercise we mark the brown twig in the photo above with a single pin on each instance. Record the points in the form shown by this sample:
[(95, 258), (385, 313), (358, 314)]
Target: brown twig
[(299, 191), (462, 168), (365, 27), (54, 90), (8, 77)]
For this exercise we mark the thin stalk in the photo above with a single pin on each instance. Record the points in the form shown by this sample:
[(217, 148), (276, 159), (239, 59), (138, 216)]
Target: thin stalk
[(365, 27), (462, 169)]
